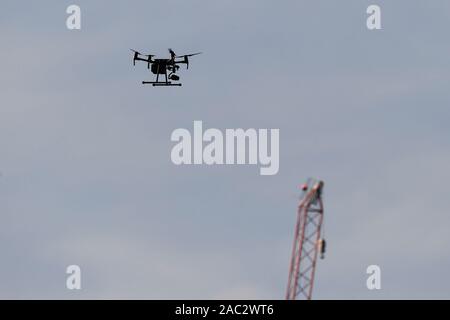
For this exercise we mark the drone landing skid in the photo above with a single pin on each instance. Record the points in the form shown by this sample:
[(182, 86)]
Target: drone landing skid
[(161, 84)]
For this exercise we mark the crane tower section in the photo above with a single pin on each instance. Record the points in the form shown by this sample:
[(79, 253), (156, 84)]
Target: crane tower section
[(308, 242)]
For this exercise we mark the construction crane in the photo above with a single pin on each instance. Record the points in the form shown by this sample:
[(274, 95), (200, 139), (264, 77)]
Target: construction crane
[(308, 242)]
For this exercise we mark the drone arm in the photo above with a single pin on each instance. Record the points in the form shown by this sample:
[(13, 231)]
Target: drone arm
[(186, 58), (185, 61), (149, 60), (142, 59)]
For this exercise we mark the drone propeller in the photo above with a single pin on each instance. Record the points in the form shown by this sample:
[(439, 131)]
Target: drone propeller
[(186, 58), (137, 54), (172, 53), (189, 55)]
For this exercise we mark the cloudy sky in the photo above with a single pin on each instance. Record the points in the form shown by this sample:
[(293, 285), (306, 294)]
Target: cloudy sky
[(86, 176)]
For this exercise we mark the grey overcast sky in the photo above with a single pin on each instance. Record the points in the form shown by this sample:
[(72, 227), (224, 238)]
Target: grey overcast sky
[(86, 176)]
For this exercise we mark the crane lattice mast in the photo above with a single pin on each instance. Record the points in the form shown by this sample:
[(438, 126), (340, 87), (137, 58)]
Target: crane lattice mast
[(308, 242)]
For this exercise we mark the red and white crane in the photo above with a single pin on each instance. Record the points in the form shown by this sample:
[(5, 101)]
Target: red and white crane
[(308, 242)]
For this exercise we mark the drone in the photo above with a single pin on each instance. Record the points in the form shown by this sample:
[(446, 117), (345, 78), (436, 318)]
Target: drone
[(166, 67)]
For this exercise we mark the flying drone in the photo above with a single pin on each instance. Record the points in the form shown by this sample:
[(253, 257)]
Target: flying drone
[(167, 67)]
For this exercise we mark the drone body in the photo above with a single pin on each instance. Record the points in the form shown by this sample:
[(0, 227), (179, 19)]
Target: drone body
[(167, 67)]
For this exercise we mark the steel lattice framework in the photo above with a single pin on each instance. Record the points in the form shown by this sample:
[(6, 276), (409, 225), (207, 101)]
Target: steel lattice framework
[(306, 242)]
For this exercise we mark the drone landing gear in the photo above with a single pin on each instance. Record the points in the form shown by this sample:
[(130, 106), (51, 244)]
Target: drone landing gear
[(161, 84)]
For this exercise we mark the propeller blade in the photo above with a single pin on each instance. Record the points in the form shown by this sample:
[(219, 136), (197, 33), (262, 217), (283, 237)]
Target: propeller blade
[(189, 55), (137, 54), (172, 53), (145, 55)]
